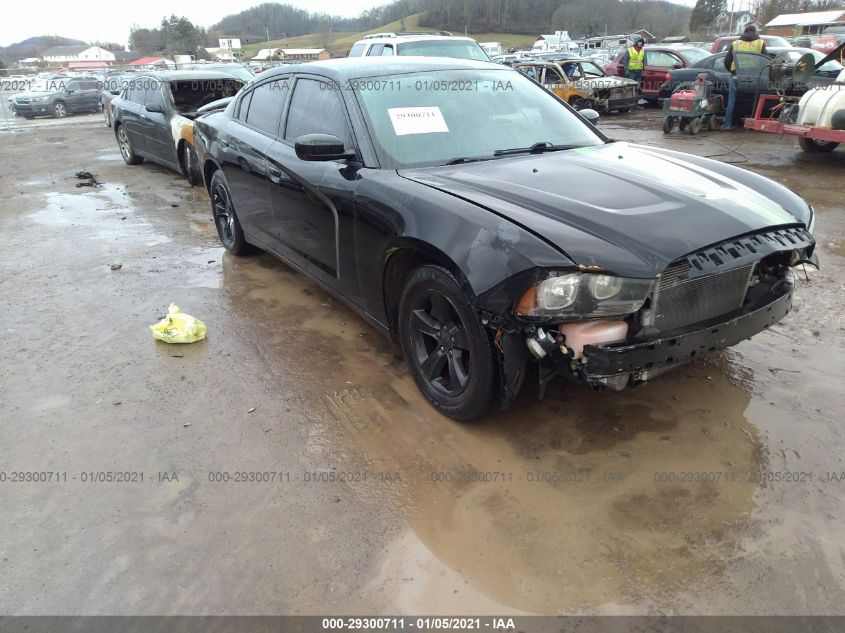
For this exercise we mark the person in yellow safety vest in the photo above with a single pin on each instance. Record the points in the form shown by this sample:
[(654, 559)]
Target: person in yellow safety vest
[(633, 61), (740, 56)]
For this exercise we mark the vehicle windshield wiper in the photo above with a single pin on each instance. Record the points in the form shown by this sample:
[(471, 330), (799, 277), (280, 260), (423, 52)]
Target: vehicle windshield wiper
[(466, 159), (537, 148)]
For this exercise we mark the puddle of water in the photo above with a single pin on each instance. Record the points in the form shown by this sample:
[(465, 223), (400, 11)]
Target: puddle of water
[(107, 212), (585, 499)]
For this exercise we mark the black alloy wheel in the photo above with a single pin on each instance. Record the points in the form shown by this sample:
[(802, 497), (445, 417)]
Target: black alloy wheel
[(447, 348), (225, 218)]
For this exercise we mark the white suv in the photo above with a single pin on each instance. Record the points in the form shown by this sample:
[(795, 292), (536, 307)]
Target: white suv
[(437, 44)]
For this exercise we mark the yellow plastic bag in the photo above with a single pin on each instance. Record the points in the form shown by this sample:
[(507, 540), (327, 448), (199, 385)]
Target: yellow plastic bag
[(178, 327)]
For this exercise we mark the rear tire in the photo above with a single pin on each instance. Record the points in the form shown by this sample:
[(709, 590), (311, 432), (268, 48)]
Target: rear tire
[(225, 219), (447, 348), (125, 145), (816, 147)]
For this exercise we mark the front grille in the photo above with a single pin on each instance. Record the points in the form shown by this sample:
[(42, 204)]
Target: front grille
[(681, 301)]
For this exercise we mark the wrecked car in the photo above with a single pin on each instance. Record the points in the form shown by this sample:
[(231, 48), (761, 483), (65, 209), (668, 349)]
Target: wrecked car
[(485, 227), (583, 84), (58, 98), (153, 116)]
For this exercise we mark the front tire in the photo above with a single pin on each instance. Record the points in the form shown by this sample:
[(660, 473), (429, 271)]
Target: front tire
[(190, 164), (60, 110), (445, 345), (816, 147), (225, 219)]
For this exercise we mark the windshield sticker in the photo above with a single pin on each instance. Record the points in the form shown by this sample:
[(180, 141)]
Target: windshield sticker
[(417, 120)]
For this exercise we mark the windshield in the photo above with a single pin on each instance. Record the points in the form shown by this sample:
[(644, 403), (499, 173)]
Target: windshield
[(774, 41), (435, 117), (462, 49)]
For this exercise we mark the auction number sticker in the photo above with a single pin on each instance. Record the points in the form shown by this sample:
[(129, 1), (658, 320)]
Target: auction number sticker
[(417, 120)]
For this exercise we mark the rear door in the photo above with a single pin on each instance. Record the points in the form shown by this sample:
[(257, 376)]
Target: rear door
[(244, 143), (657, 64), (131, 107)]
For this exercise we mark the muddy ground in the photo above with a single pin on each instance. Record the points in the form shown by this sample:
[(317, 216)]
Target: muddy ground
[(712, 490)]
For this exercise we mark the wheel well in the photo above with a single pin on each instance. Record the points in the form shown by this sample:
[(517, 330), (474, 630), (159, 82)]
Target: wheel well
[(207, 172), (399, 267)]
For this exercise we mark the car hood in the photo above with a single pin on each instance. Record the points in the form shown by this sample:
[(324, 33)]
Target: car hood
[(628, 209)]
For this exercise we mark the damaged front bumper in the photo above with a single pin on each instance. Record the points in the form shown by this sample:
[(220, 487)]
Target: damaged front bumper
[(621, 364), (641, 358)]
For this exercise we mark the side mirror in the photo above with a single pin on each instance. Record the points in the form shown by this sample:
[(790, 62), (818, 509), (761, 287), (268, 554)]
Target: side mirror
[(69, 91), (320, 147), (590, 115), (155, 107), (677, 65)]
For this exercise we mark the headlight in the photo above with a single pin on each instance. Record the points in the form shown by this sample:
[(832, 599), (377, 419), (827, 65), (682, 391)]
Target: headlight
[(571, 295), (812, 223), (38, 99)]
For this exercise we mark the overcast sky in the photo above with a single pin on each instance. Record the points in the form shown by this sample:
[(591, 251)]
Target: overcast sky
[(110, 21)]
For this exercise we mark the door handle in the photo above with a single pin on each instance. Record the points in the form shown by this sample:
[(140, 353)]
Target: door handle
[(224, 142)]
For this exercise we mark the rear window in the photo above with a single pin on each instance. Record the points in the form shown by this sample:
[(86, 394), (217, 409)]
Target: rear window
[(461, 49), (694, 55)]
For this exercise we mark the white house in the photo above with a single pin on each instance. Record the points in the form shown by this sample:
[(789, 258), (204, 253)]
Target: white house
[(558, 41), (79, 53)]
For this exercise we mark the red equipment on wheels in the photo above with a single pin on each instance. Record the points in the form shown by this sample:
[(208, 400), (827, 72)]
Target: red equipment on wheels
[(692, 107)]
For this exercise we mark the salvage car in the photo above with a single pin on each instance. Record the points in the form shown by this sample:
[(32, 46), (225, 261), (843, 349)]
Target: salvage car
[(59, 98), (153, 116), (483, 227), (584, 85)]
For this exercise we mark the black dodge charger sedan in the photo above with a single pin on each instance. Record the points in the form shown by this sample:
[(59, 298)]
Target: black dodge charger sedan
[(478, 220)]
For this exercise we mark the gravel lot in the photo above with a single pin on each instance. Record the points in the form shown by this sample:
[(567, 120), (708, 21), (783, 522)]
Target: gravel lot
[(588, 510)]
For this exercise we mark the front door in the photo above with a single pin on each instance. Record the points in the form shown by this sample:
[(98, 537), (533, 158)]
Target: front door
[(313, 200)]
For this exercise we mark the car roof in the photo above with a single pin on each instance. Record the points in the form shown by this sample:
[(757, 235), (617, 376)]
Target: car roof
[(411, 37), (354, 67)]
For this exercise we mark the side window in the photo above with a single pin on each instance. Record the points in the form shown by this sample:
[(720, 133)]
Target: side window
[(315, 109), (153, 96), (243, 108), (660, 58), (135, 90), (375, 50), (387, 51), (266, 104), (357, 50)]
